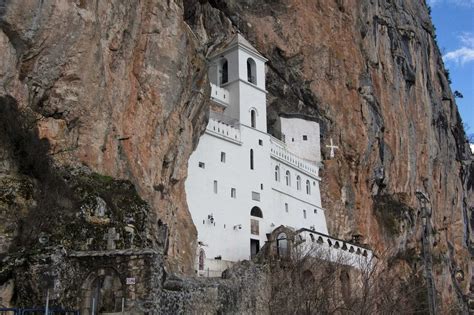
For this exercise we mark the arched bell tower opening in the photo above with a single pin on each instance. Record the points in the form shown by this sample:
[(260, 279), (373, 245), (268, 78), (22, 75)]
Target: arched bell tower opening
[(223, 71), (253, 118), (251, 71)]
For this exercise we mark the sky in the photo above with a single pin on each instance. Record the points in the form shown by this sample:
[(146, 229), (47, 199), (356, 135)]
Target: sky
[(454, 22)]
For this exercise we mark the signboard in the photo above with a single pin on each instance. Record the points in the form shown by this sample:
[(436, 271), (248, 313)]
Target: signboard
[(254, 227), (130, 281)]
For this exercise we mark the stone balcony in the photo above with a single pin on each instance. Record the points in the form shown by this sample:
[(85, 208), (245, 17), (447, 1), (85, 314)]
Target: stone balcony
[(219, 95), (280, 152), (224, 127)]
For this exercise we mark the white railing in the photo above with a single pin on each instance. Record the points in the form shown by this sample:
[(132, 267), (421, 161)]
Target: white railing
[(223, 126), (278, 150), (335, 249), (219, 94)]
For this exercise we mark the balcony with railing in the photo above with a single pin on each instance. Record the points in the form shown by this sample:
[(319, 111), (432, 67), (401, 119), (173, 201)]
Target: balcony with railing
[(224, 126), (279, 151), (219, 95)]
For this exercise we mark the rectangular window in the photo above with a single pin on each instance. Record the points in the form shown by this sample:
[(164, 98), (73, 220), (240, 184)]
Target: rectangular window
[(304, 214), (233, 193), (255, 196), (261, 186), (305, 137), (215, 186), (315, 211), (202, 165), (223, 157), (260, 142), (286, 207)]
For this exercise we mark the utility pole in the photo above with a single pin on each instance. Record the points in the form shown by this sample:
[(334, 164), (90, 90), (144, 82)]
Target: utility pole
[(426, 245)]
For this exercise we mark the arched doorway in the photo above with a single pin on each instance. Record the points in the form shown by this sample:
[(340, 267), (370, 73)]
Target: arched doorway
[(103, 291), (255, 215), (282, 245)]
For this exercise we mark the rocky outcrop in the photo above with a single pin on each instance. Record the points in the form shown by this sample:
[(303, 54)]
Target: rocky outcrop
[(117, 86), (121, 87)]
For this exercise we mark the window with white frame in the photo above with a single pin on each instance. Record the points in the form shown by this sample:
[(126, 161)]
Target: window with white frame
[(288, 178)]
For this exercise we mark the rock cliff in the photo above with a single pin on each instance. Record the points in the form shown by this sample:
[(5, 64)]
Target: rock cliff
[(121, 87)]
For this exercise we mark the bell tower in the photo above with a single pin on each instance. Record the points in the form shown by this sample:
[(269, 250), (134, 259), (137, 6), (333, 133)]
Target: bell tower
[(239, 70)]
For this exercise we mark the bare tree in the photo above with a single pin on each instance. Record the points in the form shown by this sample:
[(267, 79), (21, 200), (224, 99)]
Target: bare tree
[(316, 281)]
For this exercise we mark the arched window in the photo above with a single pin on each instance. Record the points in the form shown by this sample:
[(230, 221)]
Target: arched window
[(298, 182), (202, 257), (256, 212), (308, 187), (224, 71), (312, 237), (251, 71), (282, 245), (253, 119), (277, 173), (251, 159), (288, 178)]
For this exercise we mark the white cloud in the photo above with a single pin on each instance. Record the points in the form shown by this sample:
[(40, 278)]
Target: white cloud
[(461, 3), (463, 54)]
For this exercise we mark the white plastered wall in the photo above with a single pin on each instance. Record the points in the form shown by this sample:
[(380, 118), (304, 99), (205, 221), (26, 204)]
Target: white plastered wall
[(294, 129)]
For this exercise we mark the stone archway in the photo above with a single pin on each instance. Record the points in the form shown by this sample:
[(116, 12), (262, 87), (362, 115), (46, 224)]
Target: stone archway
[(102, 291)]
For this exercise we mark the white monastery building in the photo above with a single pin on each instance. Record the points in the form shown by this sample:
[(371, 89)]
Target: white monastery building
[(243, 183)]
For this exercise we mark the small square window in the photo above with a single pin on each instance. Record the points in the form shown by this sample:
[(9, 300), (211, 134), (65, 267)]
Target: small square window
[(202, 165), (223, 157), (260, 142), (305, 137), (255, 196), (233, 193)]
